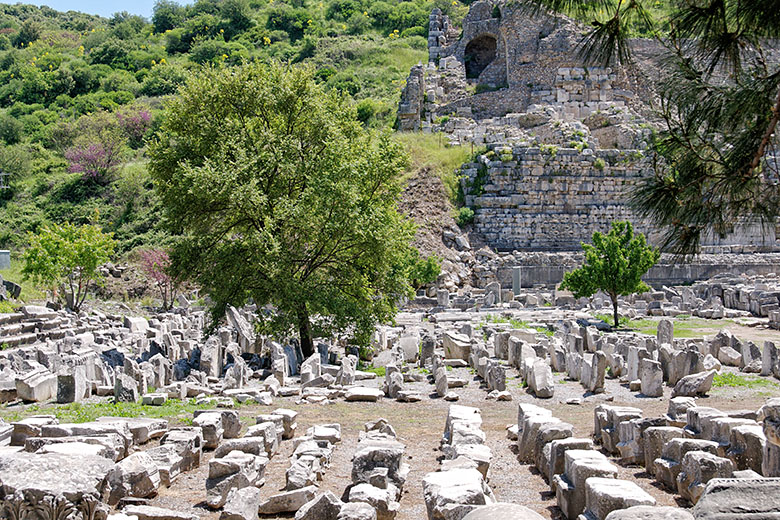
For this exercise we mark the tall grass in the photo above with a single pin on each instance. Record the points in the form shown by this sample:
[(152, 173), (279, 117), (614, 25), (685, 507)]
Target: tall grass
[(431, 151)]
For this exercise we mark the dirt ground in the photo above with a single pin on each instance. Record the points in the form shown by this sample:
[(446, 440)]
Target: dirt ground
[(420, 426)]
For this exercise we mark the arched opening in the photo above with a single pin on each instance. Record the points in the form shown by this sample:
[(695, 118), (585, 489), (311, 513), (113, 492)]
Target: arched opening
[(479, 53)]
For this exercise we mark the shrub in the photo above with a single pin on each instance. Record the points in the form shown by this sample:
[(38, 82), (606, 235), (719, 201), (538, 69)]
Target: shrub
[(97, 152), (599, 164), (413, 31), (135, 123), (155, 264), (162, 80), (465, 216), (10, 129)]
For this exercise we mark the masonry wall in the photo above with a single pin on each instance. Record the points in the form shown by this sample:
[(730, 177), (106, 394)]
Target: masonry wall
[(548, 199), (552, 199)]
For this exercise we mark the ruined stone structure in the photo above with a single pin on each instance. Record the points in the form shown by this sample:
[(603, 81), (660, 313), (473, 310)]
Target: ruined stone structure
[(566, 143)]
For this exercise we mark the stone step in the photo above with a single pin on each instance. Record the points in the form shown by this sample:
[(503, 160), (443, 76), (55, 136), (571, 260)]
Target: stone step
[(15, 317), (20, 339)]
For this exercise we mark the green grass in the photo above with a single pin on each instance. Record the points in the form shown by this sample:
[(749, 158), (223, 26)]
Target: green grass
[(685, 327), (379, 371), (430, 151), (623, 321), (29, 291), (731, 380), (174, 410)]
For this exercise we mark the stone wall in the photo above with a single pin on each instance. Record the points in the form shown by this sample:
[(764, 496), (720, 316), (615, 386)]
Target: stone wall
[(553, 199), (547, 269), (550, 199)]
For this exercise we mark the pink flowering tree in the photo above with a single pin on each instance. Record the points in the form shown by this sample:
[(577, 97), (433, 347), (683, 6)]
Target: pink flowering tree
[(96, 161), (98, 150), (155, 264), (134, 124)]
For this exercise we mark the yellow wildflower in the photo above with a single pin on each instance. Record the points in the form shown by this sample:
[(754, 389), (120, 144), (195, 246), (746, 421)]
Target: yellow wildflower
[(266, 40)]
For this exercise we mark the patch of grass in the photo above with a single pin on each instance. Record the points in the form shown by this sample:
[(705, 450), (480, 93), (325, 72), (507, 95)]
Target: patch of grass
[(7, 307), (623, 321), (684, 328), (174, 410), (731, 380), (379, 371), (430, 151), (30, 292)]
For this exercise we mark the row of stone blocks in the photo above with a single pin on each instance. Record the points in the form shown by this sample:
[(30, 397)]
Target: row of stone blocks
[(692, 445), (583, 480)]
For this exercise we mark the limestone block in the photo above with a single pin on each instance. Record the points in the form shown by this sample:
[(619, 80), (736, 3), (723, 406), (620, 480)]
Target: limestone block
[(698, 468), (604, 495)]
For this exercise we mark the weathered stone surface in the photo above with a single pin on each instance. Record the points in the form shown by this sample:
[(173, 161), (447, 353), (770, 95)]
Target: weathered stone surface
[(653, 441), (651, 377), (698, 468), (241, 504), (288, 501), (444, 489), (650, 513), (356, 511), (142, 512), (361, 393), (326, 506), (36, 476), (38, 385), (540, 380), (604, 495), (739, 499), (503, 512), (694, 384), (456, 346), (135, 476), (381, 500)]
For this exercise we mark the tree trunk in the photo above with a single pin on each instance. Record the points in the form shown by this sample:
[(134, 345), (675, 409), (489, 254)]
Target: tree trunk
[(304, 329), (615, 309)]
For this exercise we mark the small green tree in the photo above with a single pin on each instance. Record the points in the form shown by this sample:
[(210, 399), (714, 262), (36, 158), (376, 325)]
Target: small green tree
[(67, 257), (614, 263)]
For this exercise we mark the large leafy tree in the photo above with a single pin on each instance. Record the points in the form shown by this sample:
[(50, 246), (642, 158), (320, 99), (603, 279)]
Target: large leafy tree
[(719, 100), (614, 263), (278, 195)]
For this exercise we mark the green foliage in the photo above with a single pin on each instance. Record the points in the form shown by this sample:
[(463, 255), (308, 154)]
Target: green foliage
[(623, 321), (614, 263), (67, 256), (173, 409), (423, 270), (732, 380), (280, 195), (426, 151), (75, 65), (379, 371), (599, 164), (10, 129), (465, 216)]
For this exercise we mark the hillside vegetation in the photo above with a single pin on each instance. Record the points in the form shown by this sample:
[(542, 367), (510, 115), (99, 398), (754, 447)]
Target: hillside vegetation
[(80, 95)]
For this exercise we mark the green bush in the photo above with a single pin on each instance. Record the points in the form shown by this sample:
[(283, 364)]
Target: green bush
[(465, 216), (10, 129), (162, 80)]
